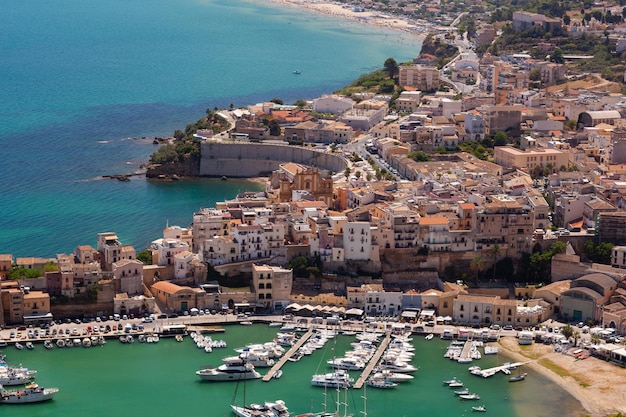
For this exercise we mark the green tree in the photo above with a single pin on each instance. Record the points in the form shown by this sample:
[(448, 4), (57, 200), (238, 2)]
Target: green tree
[(145, 257), (299, 264), (277, 101), (477, 265), (500, 138), (557, 56), (391, 67), (274, 128), (495, 251), (346, 172), (419, 156), (300, 103), (567, 331)]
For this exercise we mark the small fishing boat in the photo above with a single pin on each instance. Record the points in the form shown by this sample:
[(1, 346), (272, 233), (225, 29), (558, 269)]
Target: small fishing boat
[(429, 336), (278, 374), (472, 396), (480, 408), (48, 344), (19, 346), (517, 378), (30, 346)]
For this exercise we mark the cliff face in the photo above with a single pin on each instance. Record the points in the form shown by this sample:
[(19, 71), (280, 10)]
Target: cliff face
[(180, 169)]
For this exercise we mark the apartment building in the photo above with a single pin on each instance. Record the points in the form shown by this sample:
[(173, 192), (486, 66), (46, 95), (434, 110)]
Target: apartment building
[(529, 159), (112, 250), (272, 286), (419, 77)]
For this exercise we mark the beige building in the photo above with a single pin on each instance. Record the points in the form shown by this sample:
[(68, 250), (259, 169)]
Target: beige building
[(174, 297), (6, 262), (586, 296), (272, 286), (514, 158), (112, 250), (420, 77)]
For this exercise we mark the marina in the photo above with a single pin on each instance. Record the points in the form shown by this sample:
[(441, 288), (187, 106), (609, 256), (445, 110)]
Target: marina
[(177, 361)]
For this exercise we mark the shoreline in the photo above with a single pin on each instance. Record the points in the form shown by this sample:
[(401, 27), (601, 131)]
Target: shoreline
[(367, 18), (592, 382)]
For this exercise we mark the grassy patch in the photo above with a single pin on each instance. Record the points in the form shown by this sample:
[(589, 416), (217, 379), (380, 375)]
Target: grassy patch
[(548, 364)]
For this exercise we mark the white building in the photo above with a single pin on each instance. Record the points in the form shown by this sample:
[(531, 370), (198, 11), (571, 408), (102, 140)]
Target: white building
[(167, 249), (333, 104), (357, 241)]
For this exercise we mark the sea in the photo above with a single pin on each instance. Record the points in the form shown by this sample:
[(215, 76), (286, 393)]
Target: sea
[(84, 87), (158, 380), (86, 84)]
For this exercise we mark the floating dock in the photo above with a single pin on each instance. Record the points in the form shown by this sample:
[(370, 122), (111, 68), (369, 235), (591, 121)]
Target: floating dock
[(486, 373), (466, 352), (270, 374), (373, 362)]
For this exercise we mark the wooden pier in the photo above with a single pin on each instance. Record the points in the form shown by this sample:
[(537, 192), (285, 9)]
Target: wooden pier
[(373, 362), (270, 374)]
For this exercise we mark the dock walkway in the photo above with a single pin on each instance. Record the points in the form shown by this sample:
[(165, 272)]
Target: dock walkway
[(373, 362), (287, 355), (466, 352), (486, 373)]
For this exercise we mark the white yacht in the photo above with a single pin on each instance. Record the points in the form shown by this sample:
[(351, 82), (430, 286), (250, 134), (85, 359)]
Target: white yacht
[(396, 366), (32, 393), (337, 379), (267, 409), (392, 376), (15, 377), (348, 363), (234, 369)]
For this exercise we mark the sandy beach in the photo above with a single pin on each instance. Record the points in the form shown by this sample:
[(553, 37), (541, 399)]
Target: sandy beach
[(598, 385), (365, 17)]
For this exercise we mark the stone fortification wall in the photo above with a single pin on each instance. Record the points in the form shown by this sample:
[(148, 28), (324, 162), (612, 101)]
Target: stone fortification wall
[(254, 159)]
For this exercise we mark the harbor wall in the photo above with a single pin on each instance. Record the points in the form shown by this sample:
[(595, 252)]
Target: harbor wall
[(246, 160)]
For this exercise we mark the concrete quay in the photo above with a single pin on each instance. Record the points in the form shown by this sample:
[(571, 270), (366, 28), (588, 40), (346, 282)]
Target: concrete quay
[(373, 362), (270, 374)]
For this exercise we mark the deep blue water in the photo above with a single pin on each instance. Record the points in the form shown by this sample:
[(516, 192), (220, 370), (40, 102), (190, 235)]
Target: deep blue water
[(80, 77)]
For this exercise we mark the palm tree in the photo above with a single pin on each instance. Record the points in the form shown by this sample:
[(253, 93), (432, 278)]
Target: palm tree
[(476, 266), (595, 339), (495, 253)]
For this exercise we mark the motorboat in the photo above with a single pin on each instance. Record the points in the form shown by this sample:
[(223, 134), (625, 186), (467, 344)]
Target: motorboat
[(517, 378), (337, 379), (87, 342), (19, 346), (267, 409), (480, 408), (393, 376), (77, 342), (31, 393), (472, 396), (349, 363), (257, 360), (455, 384), (381, 383), (60, 343), (234, 369), (30, 346), (179, 337), (450, 381), (12, 377), (396, 366), (48, 344), (464, 391), (429, 336)]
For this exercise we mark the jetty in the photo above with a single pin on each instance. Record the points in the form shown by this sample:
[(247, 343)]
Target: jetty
[(505, 368), (270, 374), (466, 352), (372, 363)]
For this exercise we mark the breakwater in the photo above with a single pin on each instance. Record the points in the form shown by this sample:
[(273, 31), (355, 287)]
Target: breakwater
[(244, 160)]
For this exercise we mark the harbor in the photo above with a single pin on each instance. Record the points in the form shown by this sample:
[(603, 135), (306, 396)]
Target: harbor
[(177, 361)]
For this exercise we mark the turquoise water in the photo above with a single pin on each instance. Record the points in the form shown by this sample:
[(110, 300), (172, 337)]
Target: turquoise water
[(158, 380), (78, 78)]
